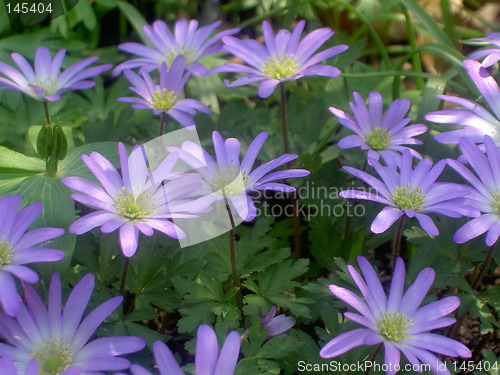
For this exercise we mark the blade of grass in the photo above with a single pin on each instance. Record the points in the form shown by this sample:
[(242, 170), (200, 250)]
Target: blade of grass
[(428, 22)]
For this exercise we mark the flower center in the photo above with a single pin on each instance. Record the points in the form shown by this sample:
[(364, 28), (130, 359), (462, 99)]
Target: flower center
[(188, 52), (53, 357), (495, 203), (408, 198), (394, 326), (280, 66), (229, 182), (133, 208), (49, 85), (378, 139), (5, 253), (163, 99)]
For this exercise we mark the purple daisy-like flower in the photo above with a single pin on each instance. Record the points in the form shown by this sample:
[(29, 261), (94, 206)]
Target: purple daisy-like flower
[(475, 119), (490, 55), (379, 134), (411, 192), (57, 338), (228, 178), (164, 98), (17, 248), (187, 40), (396, 321), (135, 200), (9, 367), (276, 325), (485, 191), (208, 361), (284, 57), (46, 82)]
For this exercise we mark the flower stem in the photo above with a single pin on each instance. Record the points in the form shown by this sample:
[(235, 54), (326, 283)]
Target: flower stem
[(232, 253), (284, 123), (348, 221), (397, 239), (372, 358), (124, 275), (297, 237), (164, 119), (46, 109), (484, 266)]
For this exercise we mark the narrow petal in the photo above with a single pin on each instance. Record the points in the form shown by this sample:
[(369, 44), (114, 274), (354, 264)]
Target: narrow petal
[(385, 219), (344, 342), (229, 354), (9, 298), (165, 360), (207, 345), (417, 292), (129, 236)]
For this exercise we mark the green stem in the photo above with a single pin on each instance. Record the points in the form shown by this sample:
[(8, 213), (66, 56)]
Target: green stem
[(415, 58), (397, 239), (484, 266), (372, 358), (124, 275), (164, 119), (51, 166), (371, 30), (297, 236), (284, 122), (232, 253), (348, 221), (46, 109)]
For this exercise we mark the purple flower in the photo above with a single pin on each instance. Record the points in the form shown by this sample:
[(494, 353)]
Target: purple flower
[(490, 55), (476, 120), (276, 325), (164, 98), (57, 338), (208, 360), (46, 82), (18, 248), (187, 40), (396, 320), (485, 193), (284, 57), (228, 178), (379, 134), (135, 201), (411, 192), (9, 368)]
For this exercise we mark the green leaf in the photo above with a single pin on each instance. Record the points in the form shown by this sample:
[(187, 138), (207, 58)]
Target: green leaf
[(73, 165), (136, 329), (428, 22), (12, 160), (141, 314), (134, 17), (58, 211)]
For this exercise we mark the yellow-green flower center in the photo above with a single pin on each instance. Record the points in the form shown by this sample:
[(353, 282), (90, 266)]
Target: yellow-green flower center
[(394, 326), (280, 66), (53, 357), (133, 208), (378, 139), (406, 197), (5, 253), (495, 203), (229, 182), (188, 52), (49, 84), (163, 99)]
